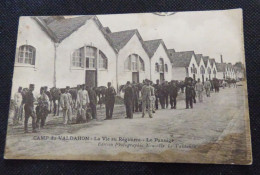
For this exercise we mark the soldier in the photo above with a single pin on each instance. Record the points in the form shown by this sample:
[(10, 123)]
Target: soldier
[(42, 108), (199, 88), (161, 95), (166, 93), (173, 91), (193, 82), (48, 93), (92, 102), (109, 101), (146, 101), (152, 98), (189, 94), (29, 109), (128, 100), (136, 97), (18, 98), (207, 86), (156, 91)]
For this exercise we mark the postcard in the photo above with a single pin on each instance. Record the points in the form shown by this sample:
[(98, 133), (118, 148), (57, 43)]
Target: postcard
[(143, 87)]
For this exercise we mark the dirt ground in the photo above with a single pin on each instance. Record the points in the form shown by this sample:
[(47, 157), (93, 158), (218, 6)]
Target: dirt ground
[(214, 131)]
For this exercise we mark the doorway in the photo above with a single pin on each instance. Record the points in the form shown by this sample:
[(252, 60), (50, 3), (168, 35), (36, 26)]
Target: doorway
[(135, 77), (161, 77), (91, 78)]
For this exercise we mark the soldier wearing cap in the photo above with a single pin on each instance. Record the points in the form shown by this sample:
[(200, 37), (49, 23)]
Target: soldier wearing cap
[(48, 93), (156, 91), (92, 101), (66, 102), (42, 108), (128, 100), (147, 93), (110, 95), (18, 98), (29, 109), (189, 90)]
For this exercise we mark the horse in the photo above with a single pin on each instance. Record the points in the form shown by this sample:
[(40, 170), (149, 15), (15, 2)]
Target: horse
[(55, 93), (100, 92)]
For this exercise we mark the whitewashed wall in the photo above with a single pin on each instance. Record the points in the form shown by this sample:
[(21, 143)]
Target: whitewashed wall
[(193, 61), (89, 35), (133, 46), (160, 53), (30, 33), (178, 73)]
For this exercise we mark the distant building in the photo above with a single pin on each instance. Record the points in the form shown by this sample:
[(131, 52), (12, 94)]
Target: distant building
[(201, 67), (239, 70), (184, 64), (161, 68)]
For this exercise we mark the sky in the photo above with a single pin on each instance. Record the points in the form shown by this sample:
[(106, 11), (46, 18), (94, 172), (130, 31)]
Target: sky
[(210, 33)]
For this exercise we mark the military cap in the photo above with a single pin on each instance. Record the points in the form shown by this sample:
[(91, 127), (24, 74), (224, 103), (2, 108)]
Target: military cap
[(31, 85)]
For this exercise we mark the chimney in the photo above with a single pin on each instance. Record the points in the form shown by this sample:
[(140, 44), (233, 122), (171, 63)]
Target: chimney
[(221, 58)]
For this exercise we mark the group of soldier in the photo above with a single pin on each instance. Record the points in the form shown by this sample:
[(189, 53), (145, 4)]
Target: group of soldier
[(138, 97)]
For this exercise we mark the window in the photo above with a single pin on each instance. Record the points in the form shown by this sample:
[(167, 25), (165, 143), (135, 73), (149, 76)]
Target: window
[(161, 65), (91, 57), (209, 71), (26, 55), (77, 58), (134, 63), (202, 70), (156, 67), (102, 60), (142, 68), (166, 68)]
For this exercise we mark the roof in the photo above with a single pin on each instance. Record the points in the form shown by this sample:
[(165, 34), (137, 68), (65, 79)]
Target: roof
[(59, 28), (107, 29), (205, 60), (221, 67), (152, 46), (198, 57), (181, 59), (62, 28), (212, 61), (120, 39)]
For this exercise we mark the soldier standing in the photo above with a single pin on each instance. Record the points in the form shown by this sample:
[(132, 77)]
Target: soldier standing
[(42, 108), (189, 94), (18, 98), (207, 86), (128, 100), (146, 101), (66, 101), (161, 95), (199, 88), (173, 91), (156, 91), (166, 94), (109, 101), (29, 109), (49, 96), (92, 102), (136, 97)]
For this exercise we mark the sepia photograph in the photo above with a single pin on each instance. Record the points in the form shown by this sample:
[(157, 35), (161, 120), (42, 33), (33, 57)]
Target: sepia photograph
[(142, 87)]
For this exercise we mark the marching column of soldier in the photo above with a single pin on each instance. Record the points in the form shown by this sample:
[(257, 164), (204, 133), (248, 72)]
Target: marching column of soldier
[(82, 101)]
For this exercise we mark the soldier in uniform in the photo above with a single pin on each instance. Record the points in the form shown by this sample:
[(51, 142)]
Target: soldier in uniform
[(128, 100), (156, 91), (166, 93), (189, 90), (193, 82), (146, 92), (66, 102), (161, 95), (29, 109), (48, 93), (42, 108), (207, 86), (199, 88), (92, 102), (136, 97), (173, 91), (18, 98), (109, 101)]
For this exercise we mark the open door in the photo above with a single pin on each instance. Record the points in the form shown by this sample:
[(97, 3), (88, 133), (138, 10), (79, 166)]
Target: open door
[(161, 77), (91, 78), (135, 77)]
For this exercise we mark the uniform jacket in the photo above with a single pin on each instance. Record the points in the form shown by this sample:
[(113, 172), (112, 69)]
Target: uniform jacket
[(18, 98), (189, 91), (29, 99), (207, 85), (147, 92), (65, 100), (110, 95), (82, 97), (173, 90), (92, 96), (199, 87), (129, 94)]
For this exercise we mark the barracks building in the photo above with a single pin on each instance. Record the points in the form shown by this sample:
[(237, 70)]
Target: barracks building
[(57, 52)]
